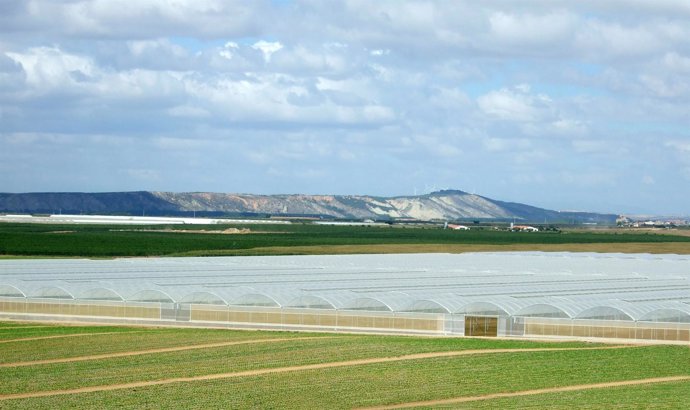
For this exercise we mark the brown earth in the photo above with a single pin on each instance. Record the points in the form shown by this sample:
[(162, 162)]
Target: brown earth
[(228, 231), (635, 247)]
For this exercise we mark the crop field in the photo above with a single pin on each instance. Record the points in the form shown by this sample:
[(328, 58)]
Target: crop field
[(48, 366), (113, 241)]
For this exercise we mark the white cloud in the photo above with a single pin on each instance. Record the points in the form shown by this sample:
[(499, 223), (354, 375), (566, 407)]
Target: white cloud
[(398, 90), (676, 62), (585, 146), (143, 174), (506, 144), (48, 67), (379, 53), (188, 111), (588, 178), (679, 145), (532, 29), (607, 40), (515, 104), (267, 48), (648, 180)]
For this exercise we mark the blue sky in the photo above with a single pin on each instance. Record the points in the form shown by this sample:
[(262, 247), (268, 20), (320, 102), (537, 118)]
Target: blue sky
[(559, 104)]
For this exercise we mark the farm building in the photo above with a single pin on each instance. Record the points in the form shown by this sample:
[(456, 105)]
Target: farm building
[(521, 294)]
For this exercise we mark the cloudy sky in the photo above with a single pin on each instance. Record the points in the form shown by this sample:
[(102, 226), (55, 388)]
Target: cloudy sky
[(565, 105)]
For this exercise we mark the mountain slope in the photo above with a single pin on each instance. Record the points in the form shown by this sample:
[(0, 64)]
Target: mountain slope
[(442, 205), (130, 203)]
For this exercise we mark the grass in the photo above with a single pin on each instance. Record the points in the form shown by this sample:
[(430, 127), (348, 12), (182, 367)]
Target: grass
[(659, 396), (112, 241), (125, 340), (9, 332), (219, 360), (342, 387)]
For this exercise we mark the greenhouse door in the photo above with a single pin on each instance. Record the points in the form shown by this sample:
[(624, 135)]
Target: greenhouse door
[(481, 326)]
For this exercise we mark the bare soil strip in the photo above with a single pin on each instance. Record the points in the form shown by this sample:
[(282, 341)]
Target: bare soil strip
[(560, 389), (622, 247), (276, 370), (22, 327), (153, 351), (29, 339)]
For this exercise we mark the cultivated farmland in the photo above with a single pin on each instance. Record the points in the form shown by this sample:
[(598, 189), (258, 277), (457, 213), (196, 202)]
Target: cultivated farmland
[(76, 240), (44, 366)]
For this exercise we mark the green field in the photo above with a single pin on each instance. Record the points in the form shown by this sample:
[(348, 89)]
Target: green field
[(205, 368), (112, 241)]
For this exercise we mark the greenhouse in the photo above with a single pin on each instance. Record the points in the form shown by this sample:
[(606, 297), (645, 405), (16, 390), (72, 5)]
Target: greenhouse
[(516, 294)]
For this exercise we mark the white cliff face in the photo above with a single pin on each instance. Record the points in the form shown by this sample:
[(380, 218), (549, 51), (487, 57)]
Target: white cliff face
[(453, 205), (443, 205)]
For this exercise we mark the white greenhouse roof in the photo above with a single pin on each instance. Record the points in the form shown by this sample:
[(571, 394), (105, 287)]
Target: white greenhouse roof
[(567, 285)]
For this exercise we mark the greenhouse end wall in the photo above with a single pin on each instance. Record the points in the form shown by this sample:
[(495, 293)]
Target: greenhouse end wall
[(336, 320)]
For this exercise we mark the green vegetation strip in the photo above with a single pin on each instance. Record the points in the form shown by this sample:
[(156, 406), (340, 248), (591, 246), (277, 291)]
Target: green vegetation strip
[(31, 339), (113, 343), (111, 241), (333, 371), (152, 351), (392, 382), (456, 400), (275, 370), (238, 358), (668, 395), (13, 334)]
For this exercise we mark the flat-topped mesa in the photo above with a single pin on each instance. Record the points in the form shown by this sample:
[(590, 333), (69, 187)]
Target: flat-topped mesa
[(445, 205)]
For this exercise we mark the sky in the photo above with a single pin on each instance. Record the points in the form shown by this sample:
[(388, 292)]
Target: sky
[(559, 104)]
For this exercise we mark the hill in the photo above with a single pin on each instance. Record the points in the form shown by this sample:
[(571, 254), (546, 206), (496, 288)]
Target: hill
[(451, 205)]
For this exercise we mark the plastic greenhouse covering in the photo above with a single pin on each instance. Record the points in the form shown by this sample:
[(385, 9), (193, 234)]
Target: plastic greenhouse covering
[(622, 287)]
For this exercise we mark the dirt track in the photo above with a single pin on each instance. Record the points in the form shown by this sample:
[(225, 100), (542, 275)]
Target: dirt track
[(28, 339), (576, 387), (22, 327), (152, 351), (318, 366)]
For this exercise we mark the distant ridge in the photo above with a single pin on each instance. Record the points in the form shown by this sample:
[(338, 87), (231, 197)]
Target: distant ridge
[(441, 205)]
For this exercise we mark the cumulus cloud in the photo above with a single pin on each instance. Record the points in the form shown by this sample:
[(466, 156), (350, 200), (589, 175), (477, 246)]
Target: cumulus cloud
[(516, 104), (267, 48), (49, 67), (413, 92), (530, 30)]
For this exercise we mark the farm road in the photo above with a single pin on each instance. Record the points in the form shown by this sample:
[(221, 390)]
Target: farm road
[(22, 327), (153, 351), (318, 366), (577, 387), (30, 339)]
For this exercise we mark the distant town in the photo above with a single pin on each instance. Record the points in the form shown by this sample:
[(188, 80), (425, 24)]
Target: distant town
[(651, 222)]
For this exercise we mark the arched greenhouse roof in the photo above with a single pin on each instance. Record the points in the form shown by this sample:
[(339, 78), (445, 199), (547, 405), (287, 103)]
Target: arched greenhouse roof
[(48, 292), (388, 301), (605, 312), (11, 291), (99, 293), (668, 312), (628, 287), (313, 302), (542, 309), (151, 295), (441, 304), (494, 306), (265, 299), (203, 297), (223, 295)]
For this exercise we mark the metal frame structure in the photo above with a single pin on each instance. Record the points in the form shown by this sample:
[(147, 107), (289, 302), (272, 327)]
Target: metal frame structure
[(565, 295)]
